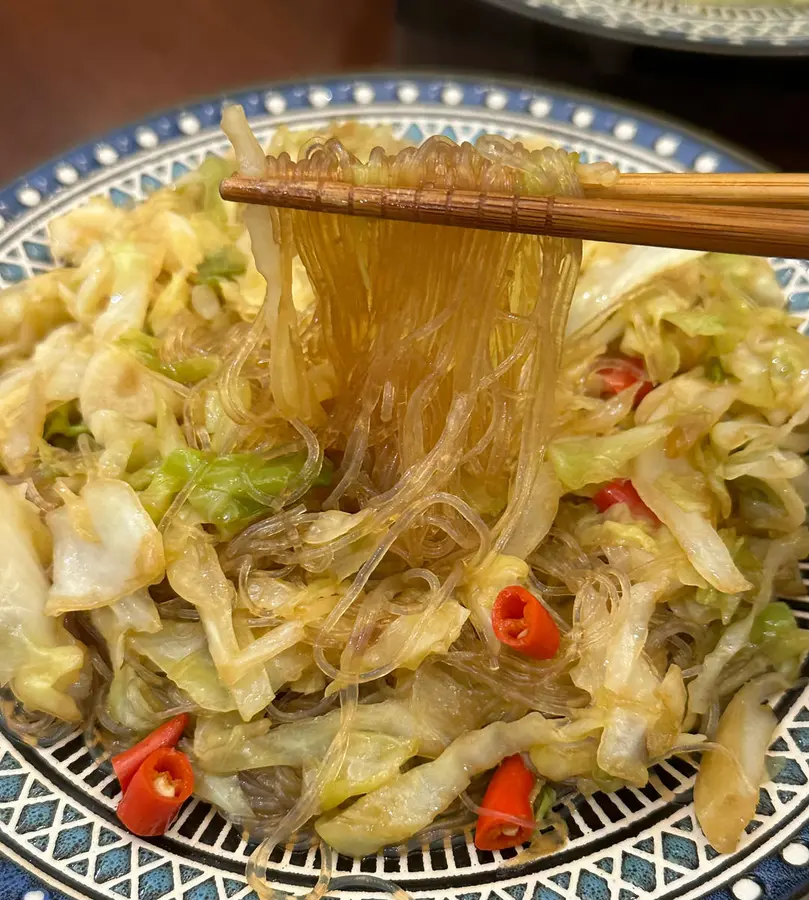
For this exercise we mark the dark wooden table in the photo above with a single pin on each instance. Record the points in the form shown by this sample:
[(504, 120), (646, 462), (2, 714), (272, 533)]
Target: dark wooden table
[(72, 69)]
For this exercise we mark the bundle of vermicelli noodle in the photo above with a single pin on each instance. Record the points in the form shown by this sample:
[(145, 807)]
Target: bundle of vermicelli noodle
[(440, 348)]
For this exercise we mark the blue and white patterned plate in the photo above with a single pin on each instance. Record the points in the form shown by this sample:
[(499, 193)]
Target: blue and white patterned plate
[(757, 28), (59, 834)]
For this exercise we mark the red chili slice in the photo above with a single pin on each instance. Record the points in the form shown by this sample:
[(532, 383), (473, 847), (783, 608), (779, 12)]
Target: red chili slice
[(156, 792), (521, 622), (509, 793), (623, 491), (620, 374), (127, 763)]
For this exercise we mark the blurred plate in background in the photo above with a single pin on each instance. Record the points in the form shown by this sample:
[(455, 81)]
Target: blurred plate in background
[(777, 27)]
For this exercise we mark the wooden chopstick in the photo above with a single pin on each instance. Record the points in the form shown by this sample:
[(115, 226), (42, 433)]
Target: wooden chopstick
[(772, 189), (755, 231)]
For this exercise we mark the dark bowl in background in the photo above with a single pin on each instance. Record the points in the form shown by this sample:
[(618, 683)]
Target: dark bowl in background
[(760, 104)]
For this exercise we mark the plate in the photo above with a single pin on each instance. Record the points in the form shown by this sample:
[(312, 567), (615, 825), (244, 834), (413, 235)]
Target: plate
[(755, 29), (57, 809)]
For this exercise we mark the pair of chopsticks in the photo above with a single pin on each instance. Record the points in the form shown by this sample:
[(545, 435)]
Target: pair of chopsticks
[(747, 213)]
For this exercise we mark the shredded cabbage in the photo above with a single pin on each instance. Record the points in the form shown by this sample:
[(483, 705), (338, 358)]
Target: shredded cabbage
[(273, 469)]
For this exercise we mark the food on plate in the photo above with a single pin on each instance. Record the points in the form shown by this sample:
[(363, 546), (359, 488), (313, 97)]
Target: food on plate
[(367, 531)]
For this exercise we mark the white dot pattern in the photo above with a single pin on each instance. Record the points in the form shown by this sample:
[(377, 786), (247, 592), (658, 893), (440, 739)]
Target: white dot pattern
[(407, 92), (105, 154), (583, 117), (275, 104), (146, 138), (320, 97), (28, 196), (540, 107), (706, 162), (33, 895), (188, 123), (625, 130), (66, 174), (746, 889), (667, 144), (496, 100), (452, 95), (364, 94), (796, 854)]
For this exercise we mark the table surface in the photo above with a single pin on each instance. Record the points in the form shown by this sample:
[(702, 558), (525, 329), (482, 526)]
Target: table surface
[(73, 70)]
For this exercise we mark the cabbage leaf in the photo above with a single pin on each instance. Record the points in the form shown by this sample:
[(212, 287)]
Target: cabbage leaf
[(180, 650), (727, 785), (409, 802), (194, 572), (105, 547), (593, 460), (40, 660)]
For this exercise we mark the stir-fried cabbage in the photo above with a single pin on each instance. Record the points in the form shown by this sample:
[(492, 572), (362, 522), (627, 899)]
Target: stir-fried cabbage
[(40, 660), (726, 790), (274, 469), (391, 813), (104, 547)]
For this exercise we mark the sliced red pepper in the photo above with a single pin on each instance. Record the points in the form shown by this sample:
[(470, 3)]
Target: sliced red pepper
[(156, 792), (509, 793), (622, 375), (127, 763), (623, 491), (521, 622)]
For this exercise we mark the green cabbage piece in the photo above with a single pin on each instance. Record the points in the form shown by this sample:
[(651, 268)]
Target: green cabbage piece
[(22, 418), (134, 613), (667, 487), (371, 760), (706, 686), (437, 710), (180, 649), (224, 792), (225, 747), (123, 299), (544, 802), (146, 350), (775, 631), (615, 275), (32, 309), (434, 635), (227, 263), (224, 493), (105, 547), (564, 760), (64, 424), (201, 187), (132, 702), (593, 460), (195, 574), (714, 371)]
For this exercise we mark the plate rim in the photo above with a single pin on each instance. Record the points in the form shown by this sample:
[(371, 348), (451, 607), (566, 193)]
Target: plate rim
[(715, 46), (11, 210), (483, 82)]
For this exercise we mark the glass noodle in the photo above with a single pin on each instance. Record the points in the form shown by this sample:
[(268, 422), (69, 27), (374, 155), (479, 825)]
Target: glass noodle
[(443, 346)]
